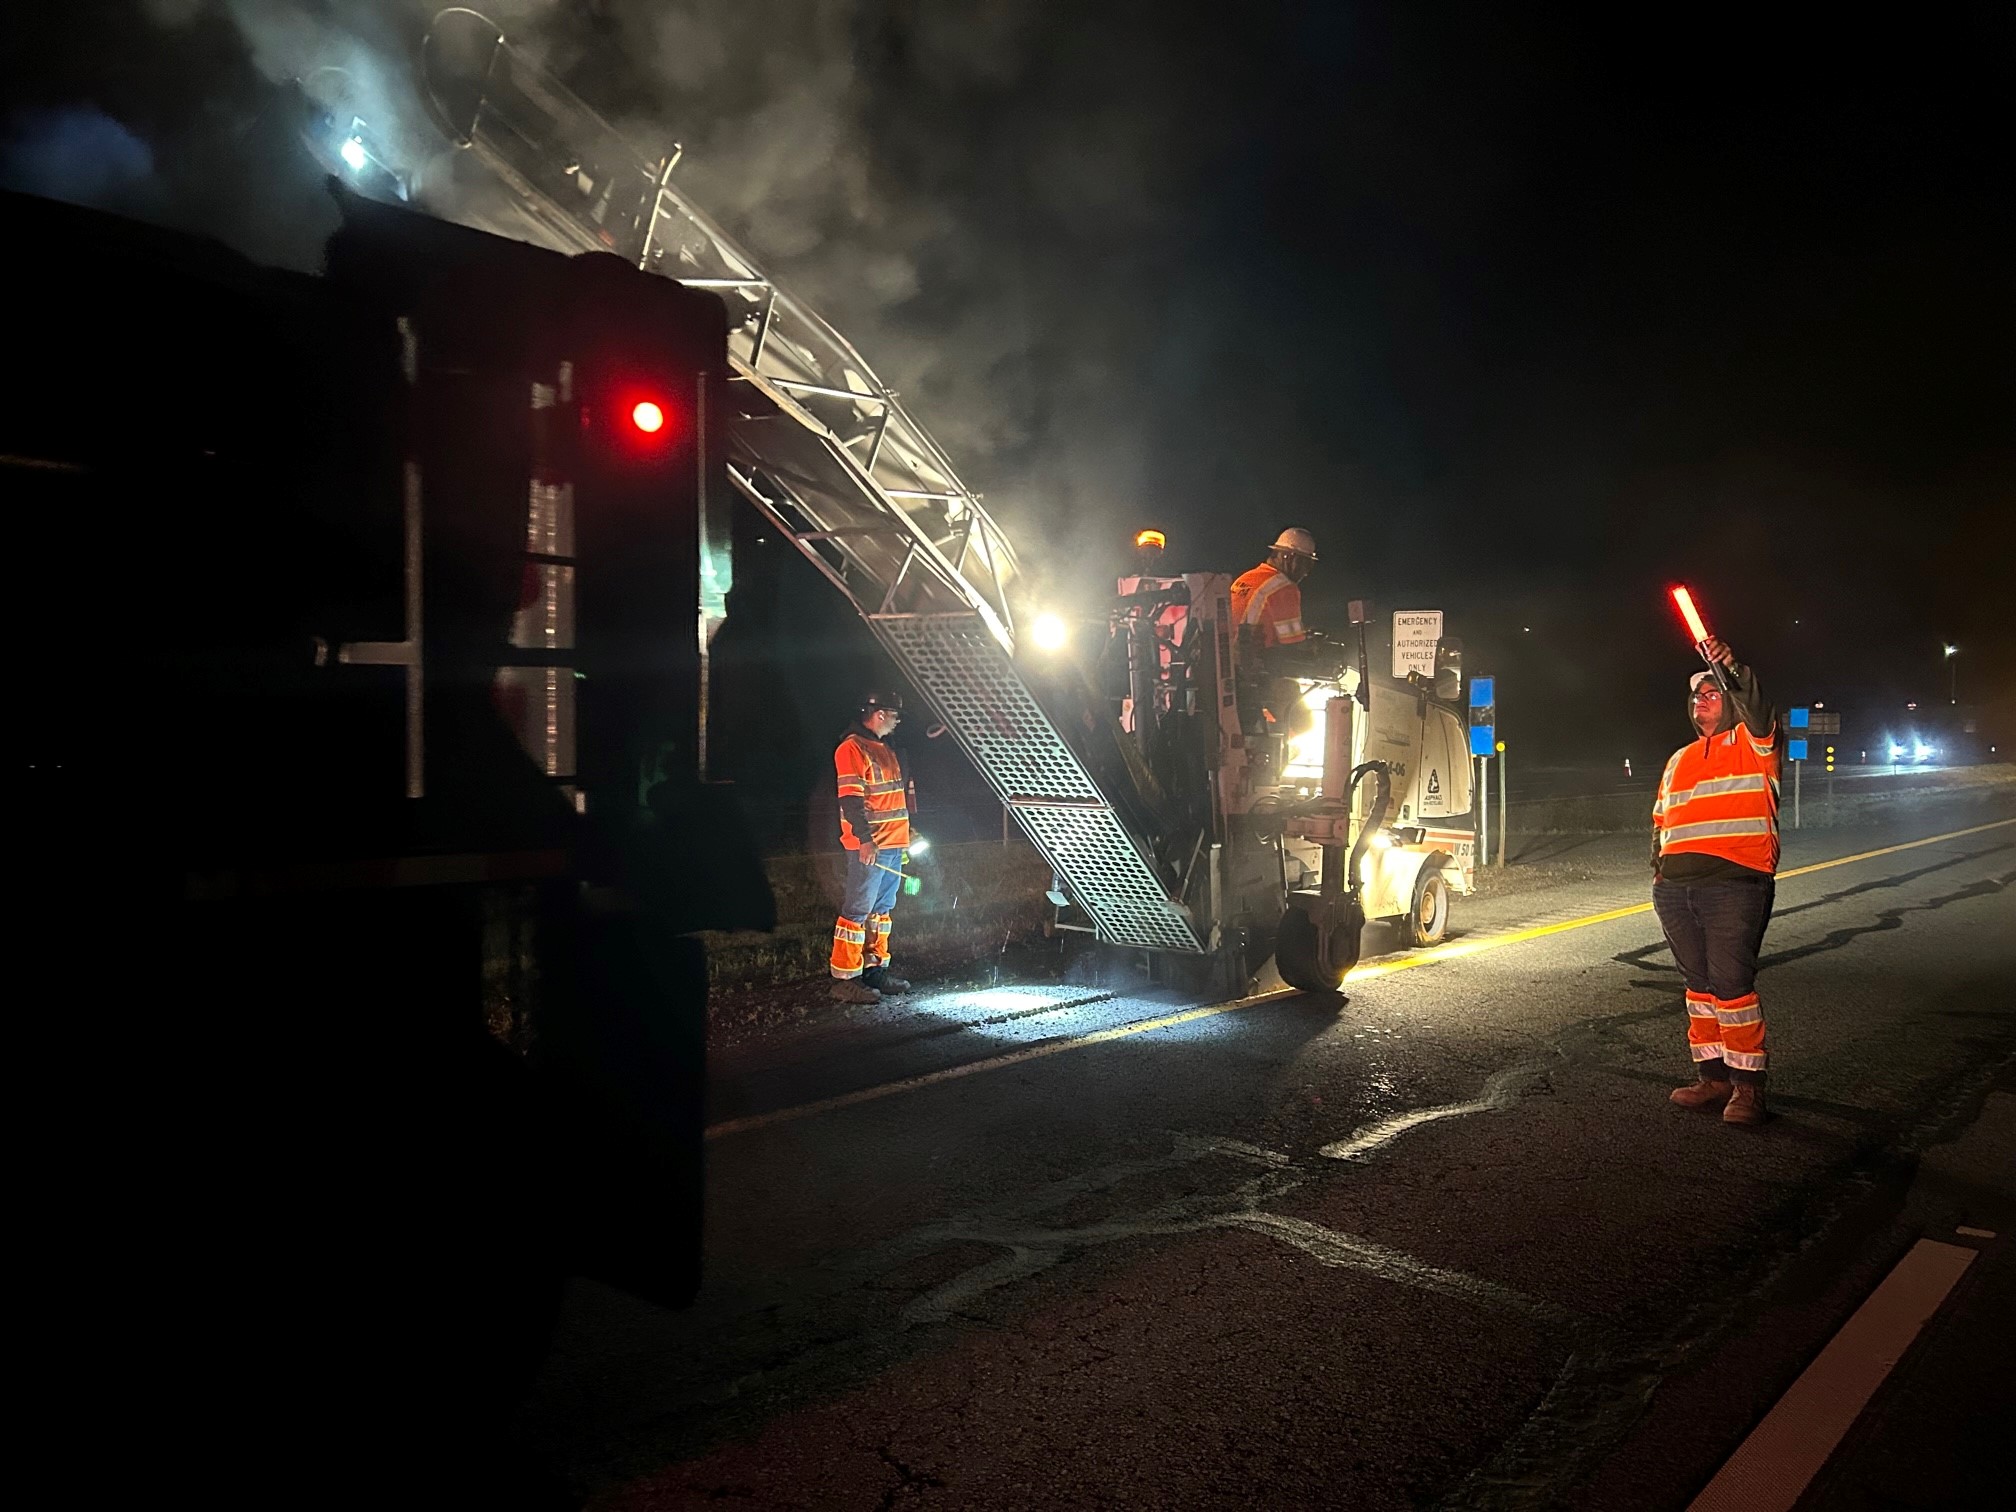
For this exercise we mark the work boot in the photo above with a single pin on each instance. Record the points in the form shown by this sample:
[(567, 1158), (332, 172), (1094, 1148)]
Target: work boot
[(891, 985), (1746, 1105), (1701, 1094), (851, 991)]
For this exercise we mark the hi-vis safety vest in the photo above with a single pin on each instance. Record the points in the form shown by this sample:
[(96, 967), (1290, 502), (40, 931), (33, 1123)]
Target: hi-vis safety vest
[(868, 769), (1267, 601), (1719, 797)]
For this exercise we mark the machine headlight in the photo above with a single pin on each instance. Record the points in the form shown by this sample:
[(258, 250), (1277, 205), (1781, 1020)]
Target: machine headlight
[(1049, 632)]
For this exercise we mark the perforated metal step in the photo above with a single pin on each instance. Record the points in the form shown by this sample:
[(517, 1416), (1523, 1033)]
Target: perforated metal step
[(958, 665)]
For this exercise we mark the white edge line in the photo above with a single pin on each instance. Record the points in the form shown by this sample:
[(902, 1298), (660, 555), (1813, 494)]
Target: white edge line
[(1772, 1468)]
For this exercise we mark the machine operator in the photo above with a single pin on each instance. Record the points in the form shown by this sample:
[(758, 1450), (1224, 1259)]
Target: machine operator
[(1267, 613)]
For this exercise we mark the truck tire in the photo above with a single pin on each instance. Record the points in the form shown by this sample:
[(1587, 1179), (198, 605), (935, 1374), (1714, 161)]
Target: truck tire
[(1426, 921)]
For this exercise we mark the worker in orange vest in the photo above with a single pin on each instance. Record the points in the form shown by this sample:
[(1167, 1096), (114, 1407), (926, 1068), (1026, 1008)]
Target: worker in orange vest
[(1268, 600), (1267, 618), (875, 803), (1715, 864)]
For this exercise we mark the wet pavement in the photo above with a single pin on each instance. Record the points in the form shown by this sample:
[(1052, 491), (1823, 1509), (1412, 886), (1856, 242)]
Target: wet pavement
[(1440, 1243)]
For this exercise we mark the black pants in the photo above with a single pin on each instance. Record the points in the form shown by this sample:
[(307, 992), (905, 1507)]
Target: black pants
[(1715, 930)]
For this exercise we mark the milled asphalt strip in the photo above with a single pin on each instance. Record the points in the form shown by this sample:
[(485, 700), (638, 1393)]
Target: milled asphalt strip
[(1213, 1010), (1772, 1468)]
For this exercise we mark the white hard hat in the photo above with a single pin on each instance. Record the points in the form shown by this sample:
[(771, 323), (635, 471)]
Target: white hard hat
[(1297, 540)]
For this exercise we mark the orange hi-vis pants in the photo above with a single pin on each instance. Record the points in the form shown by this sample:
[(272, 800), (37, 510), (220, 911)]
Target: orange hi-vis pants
[(861, 933), (1727, 1030)]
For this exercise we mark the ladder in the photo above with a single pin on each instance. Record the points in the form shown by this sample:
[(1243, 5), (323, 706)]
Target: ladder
[(824, 450)]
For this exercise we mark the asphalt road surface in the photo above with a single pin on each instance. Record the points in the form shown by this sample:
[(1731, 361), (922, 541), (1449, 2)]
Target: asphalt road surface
[(1443, 1243)]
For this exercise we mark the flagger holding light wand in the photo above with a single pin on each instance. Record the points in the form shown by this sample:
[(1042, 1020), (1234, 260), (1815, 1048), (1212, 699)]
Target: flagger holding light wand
[(1714, 867)]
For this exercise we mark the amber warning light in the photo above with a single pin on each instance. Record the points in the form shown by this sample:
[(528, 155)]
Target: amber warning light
[(1684, 602), (647, 417), (1153, 538)]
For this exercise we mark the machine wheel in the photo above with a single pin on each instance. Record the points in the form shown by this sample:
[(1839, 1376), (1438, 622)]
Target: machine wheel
[(1300, 957), (1427, 921), (1347, 939)]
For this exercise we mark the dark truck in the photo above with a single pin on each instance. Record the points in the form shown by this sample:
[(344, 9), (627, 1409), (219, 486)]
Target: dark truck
[(366, 831)]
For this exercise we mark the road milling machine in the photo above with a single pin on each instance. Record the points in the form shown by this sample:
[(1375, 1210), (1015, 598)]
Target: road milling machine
[(1286, 829), (1172, 823)]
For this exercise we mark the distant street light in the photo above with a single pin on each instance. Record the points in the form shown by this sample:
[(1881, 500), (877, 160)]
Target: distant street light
[(1953, 666)]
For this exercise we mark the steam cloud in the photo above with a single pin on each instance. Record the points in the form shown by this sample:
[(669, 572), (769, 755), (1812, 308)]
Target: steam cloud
[(961, 191)]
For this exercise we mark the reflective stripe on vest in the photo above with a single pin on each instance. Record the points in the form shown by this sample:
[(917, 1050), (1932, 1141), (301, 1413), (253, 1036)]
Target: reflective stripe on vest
[(1280, 625), (869, 770), (1716, 827), (1754, 782)]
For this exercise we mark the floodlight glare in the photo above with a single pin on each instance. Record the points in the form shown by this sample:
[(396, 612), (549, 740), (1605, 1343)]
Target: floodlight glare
[(353, 154), (1049, 632)]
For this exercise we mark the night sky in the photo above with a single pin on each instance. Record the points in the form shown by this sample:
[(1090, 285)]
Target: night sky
[(1525, 311)]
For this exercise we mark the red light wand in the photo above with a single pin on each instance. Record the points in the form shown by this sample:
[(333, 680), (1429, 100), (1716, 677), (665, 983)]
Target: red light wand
[(1684, 602)]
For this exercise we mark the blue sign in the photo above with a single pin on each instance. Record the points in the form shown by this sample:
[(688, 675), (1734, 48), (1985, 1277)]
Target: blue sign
[(1483, 716), (1795, 750), (1798, 719)]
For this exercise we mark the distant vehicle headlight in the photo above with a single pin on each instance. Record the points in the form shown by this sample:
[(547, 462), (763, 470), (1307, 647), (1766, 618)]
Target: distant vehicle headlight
[(1925, 751), (1896, 751)]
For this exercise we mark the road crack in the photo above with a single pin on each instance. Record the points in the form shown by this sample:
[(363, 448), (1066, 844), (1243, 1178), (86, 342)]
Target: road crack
[(1029, 1250), (910, 1481)]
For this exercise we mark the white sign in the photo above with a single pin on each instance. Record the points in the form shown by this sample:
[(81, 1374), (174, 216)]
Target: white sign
[(1415, 632)]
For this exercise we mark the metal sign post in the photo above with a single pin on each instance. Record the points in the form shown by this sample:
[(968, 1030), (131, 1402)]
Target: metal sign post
[(1798, 720), (1483, 740), (1823, 723), (1483, 811)]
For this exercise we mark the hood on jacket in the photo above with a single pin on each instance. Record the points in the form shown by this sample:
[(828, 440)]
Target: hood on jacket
[(1728, 707)]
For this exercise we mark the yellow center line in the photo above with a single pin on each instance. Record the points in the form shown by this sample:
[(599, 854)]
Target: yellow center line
[(1213, 1010), (1891, 850)]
